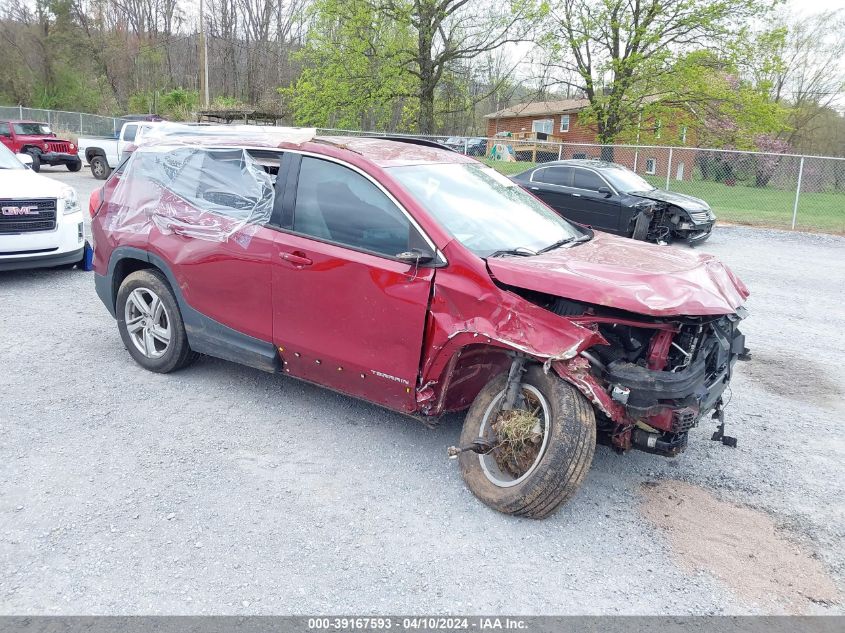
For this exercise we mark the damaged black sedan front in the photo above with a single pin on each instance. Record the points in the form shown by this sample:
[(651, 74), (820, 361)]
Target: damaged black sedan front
[(612, 198)]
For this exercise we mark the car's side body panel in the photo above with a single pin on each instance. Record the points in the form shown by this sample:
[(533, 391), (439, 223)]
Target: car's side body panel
[(205, 335), (226, 281), (107, 232), (469, 311), (350, 320)]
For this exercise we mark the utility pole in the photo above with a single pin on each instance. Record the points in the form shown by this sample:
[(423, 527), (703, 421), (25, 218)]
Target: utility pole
[(203, 58)]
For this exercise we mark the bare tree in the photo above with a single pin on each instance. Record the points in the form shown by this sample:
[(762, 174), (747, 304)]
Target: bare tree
[(810, 77), (449, 32)]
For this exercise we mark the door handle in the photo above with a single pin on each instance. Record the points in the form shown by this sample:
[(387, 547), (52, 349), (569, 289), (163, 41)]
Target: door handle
[(577, 195), (297, 259)]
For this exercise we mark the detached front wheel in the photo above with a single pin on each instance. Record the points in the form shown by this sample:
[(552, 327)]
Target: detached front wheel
[(542, 450)]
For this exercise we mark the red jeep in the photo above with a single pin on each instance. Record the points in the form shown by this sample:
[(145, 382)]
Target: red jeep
[(39, 141), (423, 281)]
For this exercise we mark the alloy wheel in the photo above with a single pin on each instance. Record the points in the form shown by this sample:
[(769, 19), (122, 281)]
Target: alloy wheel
[(147, 322), (517, 450)]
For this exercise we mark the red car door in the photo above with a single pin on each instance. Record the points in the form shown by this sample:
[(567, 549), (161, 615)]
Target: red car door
[(209, 226), (347, 313)]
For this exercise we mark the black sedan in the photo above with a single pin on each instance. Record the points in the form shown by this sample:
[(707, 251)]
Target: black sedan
[(612, 198)]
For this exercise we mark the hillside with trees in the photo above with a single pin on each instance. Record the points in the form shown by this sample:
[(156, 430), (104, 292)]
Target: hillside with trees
[(741, 73)]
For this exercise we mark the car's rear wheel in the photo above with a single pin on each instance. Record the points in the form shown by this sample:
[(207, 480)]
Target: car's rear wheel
[(542, 452), (150, 323), (100, 167)]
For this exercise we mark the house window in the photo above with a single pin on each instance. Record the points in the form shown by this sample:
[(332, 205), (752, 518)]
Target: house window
[(543, 125), (684, 135), (564, 123), (651, 166)]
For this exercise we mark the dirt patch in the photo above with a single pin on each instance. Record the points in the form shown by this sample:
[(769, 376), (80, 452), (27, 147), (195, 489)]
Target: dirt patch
[(741, 547), (792, 377)]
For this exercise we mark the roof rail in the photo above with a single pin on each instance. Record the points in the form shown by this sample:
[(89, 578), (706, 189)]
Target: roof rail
[(413, 140)]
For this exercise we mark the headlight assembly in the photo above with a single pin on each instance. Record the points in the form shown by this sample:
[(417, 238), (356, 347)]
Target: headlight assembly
[(71, 201)]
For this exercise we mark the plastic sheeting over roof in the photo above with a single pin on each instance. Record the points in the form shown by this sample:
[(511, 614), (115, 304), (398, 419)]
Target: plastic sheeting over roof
[(169, 135)]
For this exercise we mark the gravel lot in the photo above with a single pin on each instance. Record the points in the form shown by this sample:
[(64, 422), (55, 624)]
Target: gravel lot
[(221, 489)]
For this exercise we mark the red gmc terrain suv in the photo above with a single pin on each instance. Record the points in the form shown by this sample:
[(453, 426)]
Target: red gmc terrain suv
[(421, 280)]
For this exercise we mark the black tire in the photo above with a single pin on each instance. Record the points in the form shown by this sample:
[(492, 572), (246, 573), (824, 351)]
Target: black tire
[(36, 160), (74, 166), (100, 167), (178, 354), (563, 465), (641, 226)]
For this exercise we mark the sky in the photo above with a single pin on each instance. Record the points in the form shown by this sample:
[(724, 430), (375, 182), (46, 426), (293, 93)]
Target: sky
[(807, 7)]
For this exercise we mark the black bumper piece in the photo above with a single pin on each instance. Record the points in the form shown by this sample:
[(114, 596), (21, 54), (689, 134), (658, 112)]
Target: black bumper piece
[(41, 261), (58, 158), (701, 383)]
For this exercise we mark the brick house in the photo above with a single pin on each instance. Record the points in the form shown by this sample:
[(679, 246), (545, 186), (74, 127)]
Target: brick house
[(558, 122)]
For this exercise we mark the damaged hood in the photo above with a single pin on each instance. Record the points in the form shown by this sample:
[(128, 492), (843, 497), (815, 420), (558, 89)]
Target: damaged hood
[(628, 275), (688, 203)]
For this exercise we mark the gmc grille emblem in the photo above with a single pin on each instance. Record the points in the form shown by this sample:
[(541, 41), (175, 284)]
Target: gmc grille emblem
[(30, 210)]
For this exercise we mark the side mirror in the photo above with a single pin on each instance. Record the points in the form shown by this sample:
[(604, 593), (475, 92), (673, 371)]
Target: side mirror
[(26, 159), (605, 191), (415, 257)]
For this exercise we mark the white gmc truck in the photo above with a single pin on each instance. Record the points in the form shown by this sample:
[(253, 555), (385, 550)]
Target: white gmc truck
[(40, 219)]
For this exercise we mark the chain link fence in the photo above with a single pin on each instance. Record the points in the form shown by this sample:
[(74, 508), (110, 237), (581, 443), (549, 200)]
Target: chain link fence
[(77, 123), (775, 190)]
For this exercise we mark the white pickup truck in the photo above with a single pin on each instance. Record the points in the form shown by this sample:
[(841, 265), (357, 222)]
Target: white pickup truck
[(104, 153)]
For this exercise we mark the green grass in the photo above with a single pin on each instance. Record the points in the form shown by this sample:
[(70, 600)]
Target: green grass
[(509, 169), (760, 206), (767, 206)]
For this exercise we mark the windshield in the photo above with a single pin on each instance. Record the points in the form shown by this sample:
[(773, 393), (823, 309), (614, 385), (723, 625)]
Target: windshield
[(484, 210), (8, 160), (32, 129), (626, 181)]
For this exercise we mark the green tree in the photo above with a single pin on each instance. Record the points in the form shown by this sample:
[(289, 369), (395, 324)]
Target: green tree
[(625, 55), (705, 93), (351, 75), (448, 32), (363, 56)]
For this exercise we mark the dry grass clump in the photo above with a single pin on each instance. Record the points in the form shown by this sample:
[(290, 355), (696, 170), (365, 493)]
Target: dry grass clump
[(520, 435)]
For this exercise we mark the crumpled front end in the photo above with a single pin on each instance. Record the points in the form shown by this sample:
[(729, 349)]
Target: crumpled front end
[(653, 382)]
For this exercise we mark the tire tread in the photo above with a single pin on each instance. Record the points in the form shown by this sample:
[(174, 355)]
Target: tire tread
[(565, 464)]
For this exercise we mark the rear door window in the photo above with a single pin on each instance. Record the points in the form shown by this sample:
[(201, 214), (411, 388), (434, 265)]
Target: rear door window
[(129, 132), (336, 204)]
